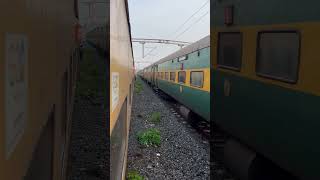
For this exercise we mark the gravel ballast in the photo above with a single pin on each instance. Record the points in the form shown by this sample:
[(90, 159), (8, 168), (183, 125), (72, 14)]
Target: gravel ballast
[(183, 154), (89, 147)]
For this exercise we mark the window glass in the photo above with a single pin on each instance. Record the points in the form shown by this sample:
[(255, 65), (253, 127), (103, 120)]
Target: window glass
[(196, 78), (182, 76), (230, 50), (278, 55), (172, 76), (183, 58)]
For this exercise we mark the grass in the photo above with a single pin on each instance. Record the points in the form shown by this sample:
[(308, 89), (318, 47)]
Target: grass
[(138, 86), (134, 175), (90, 82), (150, 137), (155, 117)]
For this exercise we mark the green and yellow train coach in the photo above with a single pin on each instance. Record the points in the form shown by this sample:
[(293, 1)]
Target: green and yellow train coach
[(185, 76), (265, 69)]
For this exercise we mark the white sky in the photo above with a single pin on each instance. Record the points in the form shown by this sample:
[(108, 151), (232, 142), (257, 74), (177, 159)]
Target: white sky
[(160, 19)]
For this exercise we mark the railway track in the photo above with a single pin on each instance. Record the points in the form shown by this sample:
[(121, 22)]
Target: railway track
[(185, 116), (201, 126), (183, 155), (217, 139)]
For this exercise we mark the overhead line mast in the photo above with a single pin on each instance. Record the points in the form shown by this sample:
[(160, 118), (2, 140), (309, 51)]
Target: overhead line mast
[(143, 41)]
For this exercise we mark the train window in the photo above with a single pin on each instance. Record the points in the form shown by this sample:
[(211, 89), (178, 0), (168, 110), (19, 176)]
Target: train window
[(198, 52), (182, 76), (230, 50), (196, 78), (166, 76), (278, 55), (183, 58), (173, 76)]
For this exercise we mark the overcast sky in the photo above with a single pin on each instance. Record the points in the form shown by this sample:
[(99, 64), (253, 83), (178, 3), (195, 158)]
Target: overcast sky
[(162, 19)]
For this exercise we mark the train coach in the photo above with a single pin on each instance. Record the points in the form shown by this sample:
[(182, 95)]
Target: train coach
[(266, 94), (185, 76), (121, 86), (39, 54)]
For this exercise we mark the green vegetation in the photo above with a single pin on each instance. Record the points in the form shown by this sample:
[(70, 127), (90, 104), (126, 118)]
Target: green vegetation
[(134, 175), (155, 117), (91, 79), (150, 137), (138, 86)]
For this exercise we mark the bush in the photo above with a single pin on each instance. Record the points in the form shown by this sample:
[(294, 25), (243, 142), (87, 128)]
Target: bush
[(134, 175), (138, 87), (155, 117), (150, 137)]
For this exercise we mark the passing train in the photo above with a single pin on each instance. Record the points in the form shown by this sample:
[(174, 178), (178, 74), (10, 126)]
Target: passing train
[(185, 76), (121, 86), (266, 95), (39, 53)]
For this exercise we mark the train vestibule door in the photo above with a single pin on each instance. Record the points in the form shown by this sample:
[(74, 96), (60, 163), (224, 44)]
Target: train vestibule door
[(156, 77), (152, 75)]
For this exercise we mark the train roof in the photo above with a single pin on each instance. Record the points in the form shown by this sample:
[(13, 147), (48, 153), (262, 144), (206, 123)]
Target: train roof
[(200, 44)]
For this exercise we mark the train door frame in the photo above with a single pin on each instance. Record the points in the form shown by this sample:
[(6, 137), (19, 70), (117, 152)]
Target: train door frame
[(151, 75), (155, 75)]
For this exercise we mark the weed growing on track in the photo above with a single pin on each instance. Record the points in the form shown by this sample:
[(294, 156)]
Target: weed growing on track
[(150, 137), (155, 117), (134, 175), (90, 77), (138, 86)]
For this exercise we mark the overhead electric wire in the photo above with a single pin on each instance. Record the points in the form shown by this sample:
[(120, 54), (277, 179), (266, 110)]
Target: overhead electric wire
[(186, 22), (192, 25), (150, 51), (191, 17), (182, 25)]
